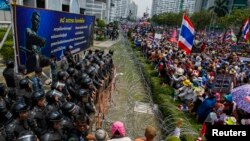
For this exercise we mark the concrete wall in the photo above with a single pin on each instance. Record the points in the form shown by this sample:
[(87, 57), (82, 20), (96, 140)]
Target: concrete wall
[(74, 6), (53, 5)]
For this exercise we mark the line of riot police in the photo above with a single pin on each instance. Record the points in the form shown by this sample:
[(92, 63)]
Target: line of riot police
[(64, 112)]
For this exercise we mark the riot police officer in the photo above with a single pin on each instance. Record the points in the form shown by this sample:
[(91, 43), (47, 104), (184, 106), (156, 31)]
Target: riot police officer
[(80, 131), (20, 122), (24, 92), (4, 100), (91, 71), (53, 68), (54, 132), (39, 112), (8, 74), (53, 98), (70, 82), (20, 75), (60, 84)]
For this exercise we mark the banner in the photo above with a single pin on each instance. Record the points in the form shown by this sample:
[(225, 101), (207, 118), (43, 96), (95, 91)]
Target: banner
[(4, 5), (39, 33)]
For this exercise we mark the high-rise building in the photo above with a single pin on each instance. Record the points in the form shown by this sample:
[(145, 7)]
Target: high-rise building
[(161, 6), (116, 10), (72, 6), (125, 8), (187, 5), (97, 8), (133, 10), (173, 6), (156, 9), (231, 4)]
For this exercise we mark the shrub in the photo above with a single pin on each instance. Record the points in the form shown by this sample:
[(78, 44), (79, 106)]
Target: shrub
[(100, 38), (7, 51)]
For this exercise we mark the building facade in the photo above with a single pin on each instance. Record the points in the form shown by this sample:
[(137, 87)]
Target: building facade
[(133, 10), (231, 4), (72, 6), (173, 6), (187, 5)]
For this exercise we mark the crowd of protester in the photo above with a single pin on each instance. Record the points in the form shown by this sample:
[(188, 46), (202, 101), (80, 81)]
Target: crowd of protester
[(193, 76)]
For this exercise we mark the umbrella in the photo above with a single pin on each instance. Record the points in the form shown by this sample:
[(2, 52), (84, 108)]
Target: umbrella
[(241, 96)]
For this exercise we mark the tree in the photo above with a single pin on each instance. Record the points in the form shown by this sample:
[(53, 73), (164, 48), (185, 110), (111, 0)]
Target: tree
[(235, 19), (201, 19), (169, 19), (101, 24), (219, 8)]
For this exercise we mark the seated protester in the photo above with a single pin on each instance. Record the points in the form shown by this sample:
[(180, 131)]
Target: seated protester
[(150, 134), (198, 92), (119, 132), (217, 116), (230, 106), (206, 107)]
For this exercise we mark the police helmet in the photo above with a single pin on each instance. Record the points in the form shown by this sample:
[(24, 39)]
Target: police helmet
[(55, 116), (68, 107), (19, 107), (24, 83), (82, 92), (38, 95)]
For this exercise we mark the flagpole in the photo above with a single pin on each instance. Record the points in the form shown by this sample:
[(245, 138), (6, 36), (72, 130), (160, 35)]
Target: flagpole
[(13, 17), (180, 29)]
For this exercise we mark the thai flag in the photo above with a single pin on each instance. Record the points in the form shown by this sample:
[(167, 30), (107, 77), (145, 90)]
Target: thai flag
[(186, 37), (228, 36), (246, 29), (151, 38)]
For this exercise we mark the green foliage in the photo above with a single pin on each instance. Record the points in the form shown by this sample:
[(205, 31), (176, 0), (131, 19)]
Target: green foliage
[(101, 24), (7, 51), (100, 38), (220, 8), (235, 19), (201, 19), (169, 19)]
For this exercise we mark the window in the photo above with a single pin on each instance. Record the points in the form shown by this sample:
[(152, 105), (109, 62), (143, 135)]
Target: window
[(65, 8), (40, 3)]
